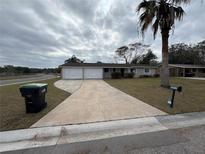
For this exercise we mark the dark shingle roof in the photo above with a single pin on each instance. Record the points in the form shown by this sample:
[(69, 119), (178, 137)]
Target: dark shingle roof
[(107, 65), (187, 66)]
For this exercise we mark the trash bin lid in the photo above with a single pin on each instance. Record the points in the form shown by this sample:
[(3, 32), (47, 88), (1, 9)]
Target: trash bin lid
[(33, 85)]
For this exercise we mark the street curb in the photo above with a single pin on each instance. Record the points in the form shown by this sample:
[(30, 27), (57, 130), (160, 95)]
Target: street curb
[(67, 134)]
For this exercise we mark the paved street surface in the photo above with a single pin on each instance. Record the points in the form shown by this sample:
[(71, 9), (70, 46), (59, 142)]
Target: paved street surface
[(189, 140), (25, 80), (175, 134), (96, 101), (180, 141)]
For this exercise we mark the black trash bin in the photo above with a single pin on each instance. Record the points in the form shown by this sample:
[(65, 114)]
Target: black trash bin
[(34, 95)]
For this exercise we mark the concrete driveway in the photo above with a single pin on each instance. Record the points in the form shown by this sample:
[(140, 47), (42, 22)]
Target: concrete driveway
[(96, 101), (68, 85)]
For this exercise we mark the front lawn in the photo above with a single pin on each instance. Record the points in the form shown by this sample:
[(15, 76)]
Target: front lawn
[(12, 106), (191, 99)]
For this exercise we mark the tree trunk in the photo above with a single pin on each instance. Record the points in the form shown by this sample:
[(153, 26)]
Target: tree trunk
[(126, 61), (164, 74)]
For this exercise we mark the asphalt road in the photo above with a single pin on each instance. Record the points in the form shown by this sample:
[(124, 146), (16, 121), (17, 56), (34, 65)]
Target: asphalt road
[(25, 80), (189, 140)]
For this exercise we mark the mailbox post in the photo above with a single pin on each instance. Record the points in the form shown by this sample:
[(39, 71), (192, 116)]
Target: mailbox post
[(174, 89)]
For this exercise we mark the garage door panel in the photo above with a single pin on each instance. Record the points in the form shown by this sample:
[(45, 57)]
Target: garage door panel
[(73, 73), (93, 73)]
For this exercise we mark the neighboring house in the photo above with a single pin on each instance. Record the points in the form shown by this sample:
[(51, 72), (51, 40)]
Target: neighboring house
[(103, 70), (185, 70)]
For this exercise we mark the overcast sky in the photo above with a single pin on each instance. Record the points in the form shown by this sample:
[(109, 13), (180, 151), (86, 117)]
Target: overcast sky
[(43, 33)]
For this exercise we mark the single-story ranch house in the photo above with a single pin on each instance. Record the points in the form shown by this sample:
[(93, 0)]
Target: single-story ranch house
[(186, 70), (104, 70)]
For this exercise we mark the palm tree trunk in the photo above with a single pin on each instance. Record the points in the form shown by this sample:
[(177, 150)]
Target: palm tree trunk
[(164, 74)]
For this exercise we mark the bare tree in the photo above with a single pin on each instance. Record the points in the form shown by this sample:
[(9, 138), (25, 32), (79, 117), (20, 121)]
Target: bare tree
[(131, 51)]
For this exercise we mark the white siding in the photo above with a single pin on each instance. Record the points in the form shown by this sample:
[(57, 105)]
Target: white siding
[(151, 72), (141, 71)]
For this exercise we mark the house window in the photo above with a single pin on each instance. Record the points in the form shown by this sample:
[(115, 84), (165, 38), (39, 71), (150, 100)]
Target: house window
[(106, 69), (114, 69), (132, 70), (146, 70)]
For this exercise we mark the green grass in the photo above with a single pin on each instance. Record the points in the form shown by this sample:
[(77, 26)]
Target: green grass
[(12, 106), (191, 99)]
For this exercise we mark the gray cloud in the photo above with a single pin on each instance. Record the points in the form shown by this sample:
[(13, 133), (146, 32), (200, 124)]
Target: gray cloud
[(40, 33)]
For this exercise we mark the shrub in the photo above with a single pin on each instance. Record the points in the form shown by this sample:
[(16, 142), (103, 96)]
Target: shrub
[(156, 75), (129, 75), (145, 76), (116, 75)]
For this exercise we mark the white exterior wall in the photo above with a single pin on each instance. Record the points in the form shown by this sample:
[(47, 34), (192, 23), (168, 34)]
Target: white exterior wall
[(138, 72), (141, 71)]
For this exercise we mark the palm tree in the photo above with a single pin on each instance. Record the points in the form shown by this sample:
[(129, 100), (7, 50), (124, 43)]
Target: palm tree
[(162, 14)]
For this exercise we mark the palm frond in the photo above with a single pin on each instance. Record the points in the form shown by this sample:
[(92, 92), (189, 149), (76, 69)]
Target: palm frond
[(180, 1), (163, 12), (146, 5), (179, 12), (142, 5), (147, 15), (155, 27)]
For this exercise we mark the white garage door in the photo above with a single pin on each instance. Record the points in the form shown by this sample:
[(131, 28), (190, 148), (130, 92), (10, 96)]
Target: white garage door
[(93, 73), (72, 73)]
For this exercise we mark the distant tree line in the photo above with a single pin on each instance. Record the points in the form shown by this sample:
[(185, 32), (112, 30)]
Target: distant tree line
[(18, 70), (182, 53)]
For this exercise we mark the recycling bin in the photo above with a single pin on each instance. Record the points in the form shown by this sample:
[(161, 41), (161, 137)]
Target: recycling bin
[(34, 94)]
